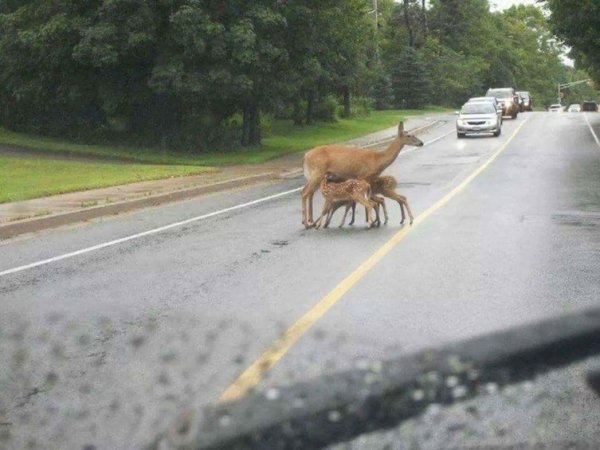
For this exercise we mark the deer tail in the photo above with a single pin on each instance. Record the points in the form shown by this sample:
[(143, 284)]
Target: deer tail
[(306, 170)]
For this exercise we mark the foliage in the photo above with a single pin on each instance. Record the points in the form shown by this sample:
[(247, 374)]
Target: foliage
[(578, 23), (409, 80), (201, 74)]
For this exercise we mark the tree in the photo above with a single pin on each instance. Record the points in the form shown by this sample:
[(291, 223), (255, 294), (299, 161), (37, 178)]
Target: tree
[(409, 80), (578, 24)]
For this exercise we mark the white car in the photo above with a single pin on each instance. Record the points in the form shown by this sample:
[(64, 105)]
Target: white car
[(492, 100), (574, 108), (556, 108), (478, 118)]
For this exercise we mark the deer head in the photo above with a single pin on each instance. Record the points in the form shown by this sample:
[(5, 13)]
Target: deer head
[(408, 139)]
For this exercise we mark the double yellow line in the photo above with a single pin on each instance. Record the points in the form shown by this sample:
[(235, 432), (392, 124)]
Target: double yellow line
[(253, 374)]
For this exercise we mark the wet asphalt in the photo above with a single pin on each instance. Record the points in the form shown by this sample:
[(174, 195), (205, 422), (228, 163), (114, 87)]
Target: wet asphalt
[(102, 348)]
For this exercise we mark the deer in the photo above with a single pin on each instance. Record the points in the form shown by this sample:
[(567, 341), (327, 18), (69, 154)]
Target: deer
[(352, 190), (386, 186), (347, 162)]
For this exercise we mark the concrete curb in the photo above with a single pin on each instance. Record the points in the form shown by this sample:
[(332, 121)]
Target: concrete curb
[(12, 229), (34, 224), (382, 394)]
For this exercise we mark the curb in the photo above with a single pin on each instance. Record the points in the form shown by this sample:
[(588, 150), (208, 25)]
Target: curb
[(35, 224), (12, 229), (341, 406)]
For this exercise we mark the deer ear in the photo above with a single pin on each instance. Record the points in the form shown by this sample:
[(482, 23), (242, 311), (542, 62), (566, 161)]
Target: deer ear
[(400, 128)]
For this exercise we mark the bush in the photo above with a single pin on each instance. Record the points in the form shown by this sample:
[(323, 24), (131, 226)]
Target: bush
[(327, 109), (360, 107)]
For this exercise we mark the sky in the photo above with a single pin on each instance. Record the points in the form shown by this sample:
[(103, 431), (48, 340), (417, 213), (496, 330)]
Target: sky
[(503, 4)]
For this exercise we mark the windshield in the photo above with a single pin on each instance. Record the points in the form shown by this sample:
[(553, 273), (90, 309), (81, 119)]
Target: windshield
[(478, 108), (500, 93), (291, 208)]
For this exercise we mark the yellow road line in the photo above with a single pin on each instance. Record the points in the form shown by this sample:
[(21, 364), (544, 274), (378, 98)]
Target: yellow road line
[(253, 374)]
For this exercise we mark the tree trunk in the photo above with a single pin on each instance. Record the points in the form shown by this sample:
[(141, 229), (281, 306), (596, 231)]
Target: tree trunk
[(251, 125), (411, 39), (298, 119), (347, 109), (425, 26), (310, 106)]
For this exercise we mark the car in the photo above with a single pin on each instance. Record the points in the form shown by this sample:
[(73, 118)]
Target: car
[(589, 105), (557, 107), (508, 100), (478, 118), (488, 100), (527, 100), (527, 104), (521, 102), (574, 108)]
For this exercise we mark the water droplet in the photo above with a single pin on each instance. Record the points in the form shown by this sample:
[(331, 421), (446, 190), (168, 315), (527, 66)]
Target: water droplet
[(459, 391), (491, 388), (418, 395), (334, 416), (224, 420), (272, 394), (452, 381)]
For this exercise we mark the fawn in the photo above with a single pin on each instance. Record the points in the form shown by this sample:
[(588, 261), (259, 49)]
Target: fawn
[(384, 185), (345, 192)]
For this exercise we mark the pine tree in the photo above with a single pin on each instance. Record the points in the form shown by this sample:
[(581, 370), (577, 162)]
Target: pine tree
[(409, 80)]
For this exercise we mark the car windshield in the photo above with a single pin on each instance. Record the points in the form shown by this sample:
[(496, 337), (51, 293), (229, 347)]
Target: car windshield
[(290, 214), (478, 108), (500, 93)]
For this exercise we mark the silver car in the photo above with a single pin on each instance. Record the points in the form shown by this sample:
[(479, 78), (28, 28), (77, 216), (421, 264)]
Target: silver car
[(478, 118), (492, 100)]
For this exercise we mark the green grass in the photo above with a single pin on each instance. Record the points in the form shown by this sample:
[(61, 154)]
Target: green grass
[(25, 178), (30, 177), (285, 138)]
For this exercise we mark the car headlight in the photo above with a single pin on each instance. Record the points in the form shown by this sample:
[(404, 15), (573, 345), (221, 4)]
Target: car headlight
[(460, 122)]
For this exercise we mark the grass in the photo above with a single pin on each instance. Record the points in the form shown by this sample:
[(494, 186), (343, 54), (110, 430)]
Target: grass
[(285, 138), (25, 178)]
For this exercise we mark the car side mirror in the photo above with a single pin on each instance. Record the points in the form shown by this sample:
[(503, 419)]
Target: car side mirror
[(456, 113)]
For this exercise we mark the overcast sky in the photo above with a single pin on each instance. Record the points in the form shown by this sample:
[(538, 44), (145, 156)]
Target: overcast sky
[(503, 4)]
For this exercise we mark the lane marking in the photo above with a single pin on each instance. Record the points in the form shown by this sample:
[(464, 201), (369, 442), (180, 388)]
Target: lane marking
[(585, 116), (254, 374), (159, 229), (145, 233)]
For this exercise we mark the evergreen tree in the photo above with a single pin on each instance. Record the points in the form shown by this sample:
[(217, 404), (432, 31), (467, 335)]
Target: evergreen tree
[(409, 80)]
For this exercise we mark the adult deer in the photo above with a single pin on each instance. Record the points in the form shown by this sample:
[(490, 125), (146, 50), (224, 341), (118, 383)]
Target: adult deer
[(347, 162)]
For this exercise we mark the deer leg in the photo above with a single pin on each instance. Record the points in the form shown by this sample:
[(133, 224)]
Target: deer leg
[(402, 201), (336, 205), (308, 192), (385, 214), (324, 212), (368, 208), (348, 206), (353, 213), (379, 201)]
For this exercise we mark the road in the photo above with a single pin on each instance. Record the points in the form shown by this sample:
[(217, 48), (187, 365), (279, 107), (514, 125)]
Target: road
[(99, 348)]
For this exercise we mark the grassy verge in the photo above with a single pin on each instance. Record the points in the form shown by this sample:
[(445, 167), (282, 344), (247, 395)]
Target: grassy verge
[(25, 178), (284, 139)]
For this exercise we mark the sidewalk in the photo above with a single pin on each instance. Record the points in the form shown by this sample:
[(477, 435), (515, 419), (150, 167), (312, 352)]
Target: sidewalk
[(36, 214)]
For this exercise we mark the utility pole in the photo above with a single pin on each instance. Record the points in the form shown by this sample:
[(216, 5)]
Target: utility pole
[(375, 12), (567, 85)]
